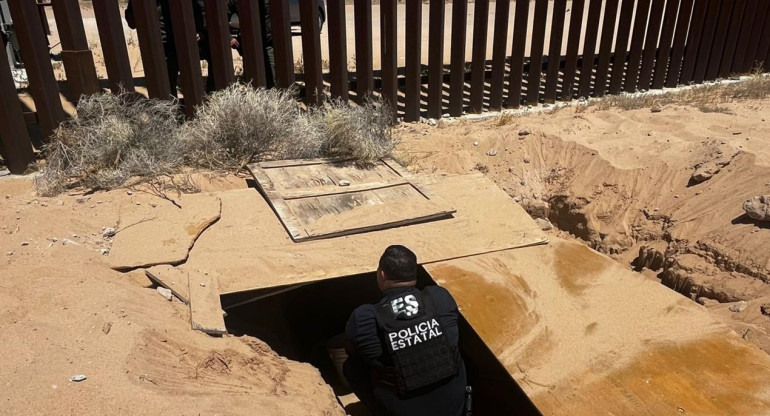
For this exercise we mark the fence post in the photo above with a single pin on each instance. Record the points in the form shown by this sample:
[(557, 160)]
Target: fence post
[(637, 43), (520, 23), (621, 46), (281, 32), (479, 58), (42, 84), (457, 57), (738, 25), (757, 35), (706, 41), (338, 49), (742, 44), (388, 50), (218, 29), (16, 145), (413, 60), (536, 51), (554, 50), (605, 47), (720, 39), (151, 48), (693, 41), (78, 59), (362, 16), (664, 50), (250, 17), (311, 51), (114, 48), (436, 58), (573, 42), (651, 44), (187, 54)]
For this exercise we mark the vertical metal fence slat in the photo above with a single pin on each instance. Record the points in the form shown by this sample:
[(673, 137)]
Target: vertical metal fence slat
[(457, 57), (388, 50), (707, 37), (536, 51), (338, 49), (362, 15), (764, 46), (742, 44), (664, 50), (42, 84), (76, 54), (520, 23), (151, 48), (187, 54), (573, 43), (693, 41), (720, 39), (554, 50), (479, 55), (589, 47), (499, 47), (218, 29), (737, 22), (621, 46), (113, 40), (280, 23), (251, 42), (436, 58), (311, 51), (678, 45), (757, 35), (14, 138), (637, 43), (413, 57), (651, 44), (605, 47)]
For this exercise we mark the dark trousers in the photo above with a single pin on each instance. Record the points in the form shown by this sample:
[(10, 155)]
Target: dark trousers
[(446, 399)]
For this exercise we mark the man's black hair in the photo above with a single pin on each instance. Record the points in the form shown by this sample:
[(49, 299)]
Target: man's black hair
[(399, 264)]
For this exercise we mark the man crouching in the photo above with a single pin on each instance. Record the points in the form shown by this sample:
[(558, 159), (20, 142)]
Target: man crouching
[(403, 356)]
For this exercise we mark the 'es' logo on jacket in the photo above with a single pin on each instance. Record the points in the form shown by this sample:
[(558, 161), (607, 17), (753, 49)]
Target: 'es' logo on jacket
[(405, 307)]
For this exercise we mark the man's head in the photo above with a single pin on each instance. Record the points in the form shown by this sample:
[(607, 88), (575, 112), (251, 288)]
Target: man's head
[(397, 268)]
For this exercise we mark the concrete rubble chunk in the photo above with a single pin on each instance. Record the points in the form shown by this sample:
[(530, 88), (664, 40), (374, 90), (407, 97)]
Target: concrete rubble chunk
[(544, 224), (165, 293), (758, 208), (704, 172), (739, 307)]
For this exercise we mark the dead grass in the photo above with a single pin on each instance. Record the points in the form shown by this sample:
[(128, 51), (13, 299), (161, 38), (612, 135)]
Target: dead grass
[(707, 98), (113, 138)]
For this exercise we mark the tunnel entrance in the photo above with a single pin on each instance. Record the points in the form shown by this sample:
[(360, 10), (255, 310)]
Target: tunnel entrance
[(299, 321)]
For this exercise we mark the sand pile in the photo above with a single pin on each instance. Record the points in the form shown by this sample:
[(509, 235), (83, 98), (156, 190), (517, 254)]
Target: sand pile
[(660, 191)]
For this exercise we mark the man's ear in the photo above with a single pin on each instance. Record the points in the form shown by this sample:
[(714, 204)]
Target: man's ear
[(381, 276)]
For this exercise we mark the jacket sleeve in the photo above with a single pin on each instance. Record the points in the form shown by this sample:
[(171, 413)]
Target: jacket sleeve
[(361, 332)]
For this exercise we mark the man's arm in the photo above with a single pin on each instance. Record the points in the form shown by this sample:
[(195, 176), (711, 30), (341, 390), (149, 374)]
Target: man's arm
[(448, 314), (361, 332)]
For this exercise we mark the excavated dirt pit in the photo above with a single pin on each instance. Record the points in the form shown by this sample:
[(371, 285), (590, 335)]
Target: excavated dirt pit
[(299, 321)]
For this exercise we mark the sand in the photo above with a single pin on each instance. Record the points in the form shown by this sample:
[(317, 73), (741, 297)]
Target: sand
[(620, 181)]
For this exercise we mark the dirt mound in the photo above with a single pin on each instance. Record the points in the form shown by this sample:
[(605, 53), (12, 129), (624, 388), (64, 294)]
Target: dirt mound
[(662, 192), (65, 312)]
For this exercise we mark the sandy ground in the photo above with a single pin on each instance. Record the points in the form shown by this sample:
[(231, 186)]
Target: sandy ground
[(620, 181)]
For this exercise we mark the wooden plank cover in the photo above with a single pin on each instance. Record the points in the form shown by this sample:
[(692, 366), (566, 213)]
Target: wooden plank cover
[(311, 203), (259, 253), (582, 335), (205, 308)]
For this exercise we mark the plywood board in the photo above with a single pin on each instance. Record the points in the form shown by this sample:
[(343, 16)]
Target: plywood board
[(172, 279), (205, 308), (259, 254), (584, 336), (312, 203)]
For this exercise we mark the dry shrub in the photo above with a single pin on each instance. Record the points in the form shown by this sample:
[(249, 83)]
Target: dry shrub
[(240, 124), (112, 138), (363, 132)]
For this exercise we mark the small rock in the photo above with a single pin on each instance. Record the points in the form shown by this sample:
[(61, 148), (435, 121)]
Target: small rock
[(10, 253), (707, 301), (107, 327), (676, 196), (24, 243), (203, 285), (129, 193), (705, 172), (739, 307), (656, 109), (492, 152), (44, 204), (54, 239), (83, 200), (544, 224), (165, 293), (432, 122), (758, 208), (517, 199), (108, 232), (765, 309), (537, 209), (105, 251), (524, 132), (736, 133), (476, 143), (527, 160), (698, 193), (344, 182), (78, 377)]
